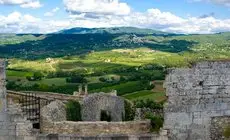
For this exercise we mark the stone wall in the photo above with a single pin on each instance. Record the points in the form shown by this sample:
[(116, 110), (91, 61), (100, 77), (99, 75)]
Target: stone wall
[(97, 128), (54, 126), (3, 101), (53, 121), (13, 124), (102, 137), (93, 105), (195, 96), (53, 112)]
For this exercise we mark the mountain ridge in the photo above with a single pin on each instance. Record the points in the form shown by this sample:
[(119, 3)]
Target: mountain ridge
[(112, 30)]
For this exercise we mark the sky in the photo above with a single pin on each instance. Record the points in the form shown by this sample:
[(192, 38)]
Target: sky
[(176, 16)]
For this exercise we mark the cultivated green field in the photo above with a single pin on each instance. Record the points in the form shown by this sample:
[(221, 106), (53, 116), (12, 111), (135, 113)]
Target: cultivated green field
[(133, 63), (146, 94)]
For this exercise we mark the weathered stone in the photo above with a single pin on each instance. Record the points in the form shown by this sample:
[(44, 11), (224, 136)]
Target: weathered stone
[(98, 128), (13, 125), (93, 105), (194, 97), (54, 112)]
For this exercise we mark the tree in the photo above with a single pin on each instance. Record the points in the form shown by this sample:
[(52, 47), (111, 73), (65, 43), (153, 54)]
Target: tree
[(73, 111), (122, 79), (129, 111), (29, 78), (38, 76), (76, 79), (102, 79)]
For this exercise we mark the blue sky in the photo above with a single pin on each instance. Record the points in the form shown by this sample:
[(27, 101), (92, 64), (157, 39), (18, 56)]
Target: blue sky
[(178, 16)]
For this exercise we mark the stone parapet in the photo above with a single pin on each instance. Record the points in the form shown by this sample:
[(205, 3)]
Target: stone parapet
[(97, 128)]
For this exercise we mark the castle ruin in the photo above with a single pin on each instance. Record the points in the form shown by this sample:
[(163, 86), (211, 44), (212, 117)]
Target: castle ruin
[(14, 124), (198, 108)]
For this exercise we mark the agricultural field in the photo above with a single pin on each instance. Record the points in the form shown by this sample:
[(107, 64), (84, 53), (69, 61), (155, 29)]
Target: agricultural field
[(133, 63)]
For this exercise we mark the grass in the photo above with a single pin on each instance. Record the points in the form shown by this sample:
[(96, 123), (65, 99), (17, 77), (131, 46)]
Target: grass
[(26, 65), (146, 94), (18, 73), (55, 81), (97, 61), (122, 88), (49, 82)]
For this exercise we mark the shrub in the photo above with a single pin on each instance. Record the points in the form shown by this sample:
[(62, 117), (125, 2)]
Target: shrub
[(11, 85), (150, 87), (38, 76), (122, 79), (102, 79), (73, 111), (227, 132), (156, 122), (148, 104), (113, 79), (129, 111), (29, 78), (76, 79)]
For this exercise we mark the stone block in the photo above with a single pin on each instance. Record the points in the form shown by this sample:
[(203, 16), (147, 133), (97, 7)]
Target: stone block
[(204, 91), (94, 104)]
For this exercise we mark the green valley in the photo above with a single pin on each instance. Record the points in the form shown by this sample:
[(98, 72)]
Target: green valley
[(133, 62)]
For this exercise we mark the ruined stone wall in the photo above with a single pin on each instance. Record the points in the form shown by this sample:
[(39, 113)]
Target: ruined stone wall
[(54, 126), (13, 124), (97, 128), (6, 127), (53, 112), (93, 105), (195, 96), (3, 101), (53, 121), (102, 137)]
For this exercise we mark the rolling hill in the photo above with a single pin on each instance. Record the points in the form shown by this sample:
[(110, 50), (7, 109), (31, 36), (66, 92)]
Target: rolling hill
[(125, 59)]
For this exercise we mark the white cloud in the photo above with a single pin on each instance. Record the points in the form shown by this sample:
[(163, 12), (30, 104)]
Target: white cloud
[(33, 4), (100, 7), (22, 3), (14, 2), (221, 2), (152, 18), (156, 19), (18, 23), (52, 12)]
